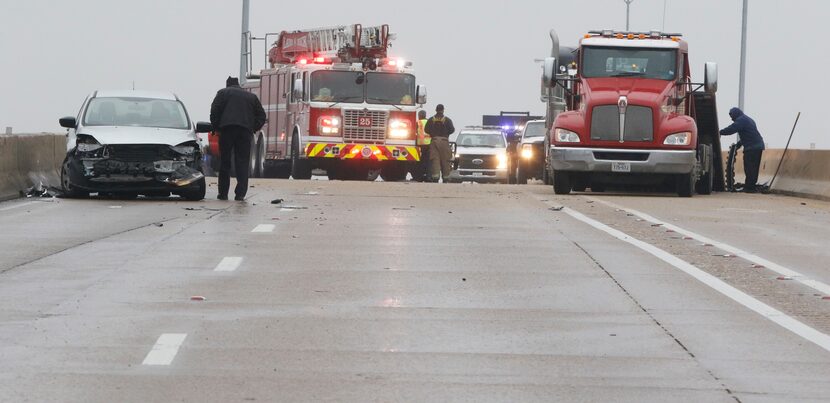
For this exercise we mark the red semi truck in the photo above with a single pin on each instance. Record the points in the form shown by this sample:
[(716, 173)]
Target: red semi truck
[(626, 111)]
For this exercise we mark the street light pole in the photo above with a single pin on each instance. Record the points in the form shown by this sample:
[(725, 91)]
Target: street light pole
[(742, 80), (244, 51), (627, 13)]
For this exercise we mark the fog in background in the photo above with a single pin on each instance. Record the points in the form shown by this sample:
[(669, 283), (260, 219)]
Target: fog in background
[(475, 57)]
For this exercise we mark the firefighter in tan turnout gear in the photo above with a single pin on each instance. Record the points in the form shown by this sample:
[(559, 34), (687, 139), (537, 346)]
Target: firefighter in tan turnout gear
[(439, 128)]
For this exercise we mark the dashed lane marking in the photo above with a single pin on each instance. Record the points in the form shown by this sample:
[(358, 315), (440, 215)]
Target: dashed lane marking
[(777, 268), (165, 349), (229, 263), (793, 325), (262, 228)]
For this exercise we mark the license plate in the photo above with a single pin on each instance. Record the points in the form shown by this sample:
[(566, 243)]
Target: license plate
[(620, 167), (478, 174), (364, 122)]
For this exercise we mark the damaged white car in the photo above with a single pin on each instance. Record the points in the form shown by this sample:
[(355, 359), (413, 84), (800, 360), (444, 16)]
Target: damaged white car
[(126, 143)]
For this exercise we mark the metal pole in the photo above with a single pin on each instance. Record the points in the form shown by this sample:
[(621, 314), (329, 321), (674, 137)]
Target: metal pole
[(243, 52), (664, 16), (627, 14), (742, 81)]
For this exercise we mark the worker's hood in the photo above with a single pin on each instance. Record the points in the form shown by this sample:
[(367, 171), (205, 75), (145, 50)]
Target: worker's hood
[(138, 135), (735, 113), (639, 91), (462, 150)]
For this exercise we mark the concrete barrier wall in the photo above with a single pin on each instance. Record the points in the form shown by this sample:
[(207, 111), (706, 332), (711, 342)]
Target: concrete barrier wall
[(27, 160), (803, 172)]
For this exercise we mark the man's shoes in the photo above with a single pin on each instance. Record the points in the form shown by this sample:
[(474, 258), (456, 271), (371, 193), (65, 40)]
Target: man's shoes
[(239, 198), (750, 190), (222, 197)]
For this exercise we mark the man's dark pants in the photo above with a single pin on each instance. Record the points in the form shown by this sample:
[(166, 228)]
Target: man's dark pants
[(424, 163), (752, 164), (236, 141)]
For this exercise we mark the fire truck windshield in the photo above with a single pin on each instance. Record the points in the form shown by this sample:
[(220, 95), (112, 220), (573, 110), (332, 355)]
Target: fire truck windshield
[(390, 88), (144, 112), (337, 86), (659, 64)]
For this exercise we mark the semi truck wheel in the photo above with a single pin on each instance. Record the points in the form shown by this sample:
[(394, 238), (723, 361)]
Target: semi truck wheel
[(706, 181), (561, 183), (686, 184), (259, 161)]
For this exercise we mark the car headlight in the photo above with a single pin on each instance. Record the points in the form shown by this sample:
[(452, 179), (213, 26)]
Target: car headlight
[(565, 136), (328, 125), (502, 161), (527, 151), (678, 139), (86, 143), (400, 129)]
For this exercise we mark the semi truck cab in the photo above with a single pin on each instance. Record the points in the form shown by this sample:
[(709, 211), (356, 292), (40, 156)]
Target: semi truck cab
[(630, 116)]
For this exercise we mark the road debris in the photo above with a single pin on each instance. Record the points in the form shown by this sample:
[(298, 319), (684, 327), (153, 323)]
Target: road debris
[(277, 201), (557, 208), (197, 298)]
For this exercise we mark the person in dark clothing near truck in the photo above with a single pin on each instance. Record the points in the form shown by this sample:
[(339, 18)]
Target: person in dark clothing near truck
[(439, 128), (750, 138), (235, 114)]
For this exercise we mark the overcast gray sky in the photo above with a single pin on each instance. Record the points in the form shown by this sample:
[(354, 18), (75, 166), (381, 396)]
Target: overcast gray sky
[(475, 57)]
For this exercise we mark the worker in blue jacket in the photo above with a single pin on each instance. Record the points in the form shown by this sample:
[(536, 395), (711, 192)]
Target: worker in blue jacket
[(750, 138)]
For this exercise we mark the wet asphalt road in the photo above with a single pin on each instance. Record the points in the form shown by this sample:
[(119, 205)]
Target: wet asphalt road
[(352, 291)]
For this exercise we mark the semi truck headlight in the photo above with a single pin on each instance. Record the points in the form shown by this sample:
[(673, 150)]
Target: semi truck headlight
[(678, 139), (565, 136), (527, 151), (328, 125), (502, 161), (399, 129)]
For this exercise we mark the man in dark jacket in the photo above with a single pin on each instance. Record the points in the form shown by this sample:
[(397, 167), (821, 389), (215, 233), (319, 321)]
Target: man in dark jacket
[(752, 142), (439, 128), (235, 114)]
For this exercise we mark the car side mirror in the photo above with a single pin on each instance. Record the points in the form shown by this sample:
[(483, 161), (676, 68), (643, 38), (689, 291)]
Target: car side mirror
[(453, 148), (204, 127), (421, 94), (68, 122), (549, 72), (710, 77)]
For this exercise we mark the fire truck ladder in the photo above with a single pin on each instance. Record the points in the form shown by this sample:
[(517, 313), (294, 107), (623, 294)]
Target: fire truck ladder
[(348, 42)]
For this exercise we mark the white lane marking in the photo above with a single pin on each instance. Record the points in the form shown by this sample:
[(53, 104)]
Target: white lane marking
[(784, 271), (229, 263), (12, 207), (165, 349), (261, 228), (780, 318)]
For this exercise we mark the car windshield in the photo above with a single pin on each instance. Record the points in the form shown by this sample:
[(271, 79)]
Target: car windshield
[(480, 139), (390, 88), (536, 129), (660, 64), (142, 112), (337, 86)]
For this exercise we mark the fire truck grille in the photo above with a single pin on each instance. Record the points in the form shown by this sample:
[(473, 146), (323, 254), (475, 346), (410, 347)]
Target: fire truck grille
[(354, 131), (605, 123), (140, 152)]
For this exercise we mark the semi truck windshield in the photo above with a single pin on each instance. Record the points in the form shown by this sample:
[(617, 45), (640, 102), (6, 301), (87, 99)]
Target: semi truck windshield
[(660, 64)]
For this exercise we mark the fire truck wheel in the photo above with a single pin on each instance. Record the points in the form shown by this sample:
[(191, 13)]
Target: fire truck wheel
[(561, 183), (686, 184), (300, 168)]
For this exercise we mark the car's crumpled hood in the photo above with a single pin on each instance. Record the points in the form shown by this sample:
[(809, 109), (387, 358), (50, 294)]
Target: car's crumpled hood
[(479, 150), (138, 135)]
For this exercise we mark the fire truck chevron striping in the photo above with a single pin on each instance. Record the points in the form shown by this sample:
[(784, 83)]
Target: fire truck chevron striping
[(362, 151), (336, 101)]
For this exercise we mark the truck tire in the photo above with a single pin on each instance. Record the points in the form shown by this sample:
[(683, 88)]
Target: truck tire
[(705, 183), (561, 183), (259, 161), (686, 184), (300, 168)]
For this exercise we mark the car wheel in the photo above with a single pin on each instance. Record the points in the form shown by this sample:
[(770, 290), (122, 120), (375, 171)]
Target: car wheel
[(69, 190)]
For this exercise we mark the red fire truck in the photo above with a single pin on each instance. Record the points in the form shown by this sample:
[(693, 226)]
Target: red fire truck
[(626, 111), (336, 101)]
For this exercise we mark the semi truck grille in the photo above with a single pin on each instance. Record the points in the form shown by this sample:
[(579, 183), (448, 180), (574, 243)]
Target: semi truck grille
[(620, 156), (354, 131), (469, 161), (605, 123), (140, 152)]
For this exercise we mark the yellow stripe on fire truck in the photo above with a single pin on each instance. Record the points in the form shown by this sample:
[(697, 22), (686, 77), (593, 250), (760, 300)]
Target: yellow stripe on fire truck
[(362, 151)]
